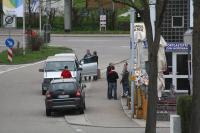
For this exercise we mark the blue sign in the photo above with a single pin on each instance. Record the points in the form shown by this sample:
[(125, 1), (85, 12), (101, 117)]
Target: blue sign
[(9, 42), (177, 47)]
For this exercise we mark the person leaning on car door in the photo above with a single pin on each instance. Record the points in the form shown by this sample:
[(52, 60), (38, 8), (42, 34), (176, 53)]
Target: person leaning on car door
[(66, 73)]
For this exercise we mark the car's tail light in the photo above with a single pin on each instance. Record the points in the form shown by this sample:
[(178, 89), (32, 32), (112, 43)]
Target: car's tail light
[(48, 95), (78, 93)]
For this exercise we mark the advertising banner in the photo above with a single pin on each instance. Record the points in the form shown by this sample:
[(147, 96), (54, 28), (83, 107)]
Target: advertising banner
[(13, 7)]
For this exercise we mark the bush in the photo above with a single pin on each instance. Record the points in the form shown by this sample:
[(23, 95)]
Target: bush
[(34, 41), (184, 105)]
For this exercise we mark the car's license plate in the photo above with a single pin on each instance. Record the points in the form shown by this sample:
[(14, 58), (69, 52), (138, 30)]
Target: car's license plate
[(63, 96)]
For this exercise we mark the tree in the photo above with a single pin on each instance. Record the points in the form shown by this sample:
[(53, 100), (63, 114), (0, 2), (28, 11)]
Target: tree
[(195, 118), (153, 46)]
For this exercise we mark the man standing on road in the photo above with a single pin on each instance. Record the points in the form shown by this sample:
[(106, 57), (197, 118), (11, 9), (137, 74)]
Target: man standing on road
[(88, 54), (66, 73), (112, 79)]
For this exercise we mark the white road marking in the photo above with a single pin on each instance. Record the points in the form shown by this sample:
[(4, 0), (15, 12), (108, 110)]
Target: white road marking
[(23, 66)]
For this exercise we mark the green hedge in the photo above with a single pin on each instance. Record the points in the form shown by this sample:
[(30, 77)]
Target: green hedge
[(184, 106)]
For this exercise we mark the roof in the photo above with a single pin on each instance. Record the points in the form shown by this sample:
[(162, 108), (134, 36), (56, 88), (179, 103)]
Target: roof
[(60, 58), (66, 54), (73, 55), (63, 80)]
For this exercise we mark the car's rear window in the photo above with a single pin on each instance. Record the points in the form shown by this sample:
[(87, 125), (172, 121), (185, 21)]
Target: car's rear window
[(63, 86)]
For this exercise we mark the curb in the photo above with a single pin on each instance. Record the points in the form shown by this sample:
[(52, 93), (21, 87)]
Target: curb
[(141, 122)]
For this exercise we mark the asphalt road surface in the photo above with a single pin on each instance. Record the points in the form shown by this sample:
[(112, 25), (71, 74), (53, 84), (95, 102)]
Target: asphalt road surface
[(22, 108)]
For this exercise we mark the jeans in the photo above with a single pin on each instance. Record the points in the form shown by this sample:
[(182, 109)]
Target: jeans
[(125, 88), (112, 88)]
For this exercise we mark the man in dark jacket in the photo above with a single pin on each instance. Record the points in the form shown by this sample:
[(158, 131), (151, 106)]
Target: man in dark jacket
[(107, 72), (125, 82), (112, 82)]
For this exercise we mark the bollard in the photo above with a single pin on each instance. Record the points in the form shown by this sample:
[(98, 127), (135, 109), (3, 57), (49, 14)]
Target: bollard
[(175, 124)]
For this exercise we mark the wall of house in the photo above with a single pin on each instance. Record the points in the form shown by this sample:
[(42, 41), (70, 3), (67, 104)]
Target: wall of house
[(174, 32)]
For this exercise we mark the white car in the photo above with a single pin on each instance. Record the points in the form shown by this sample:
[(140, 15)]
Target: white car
[(53, 67)]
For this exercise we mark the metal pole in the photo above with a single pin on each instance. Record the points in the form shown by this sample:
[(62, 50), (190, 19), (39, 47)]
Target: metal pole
[(24, 20), (40, 11), (132, 15)]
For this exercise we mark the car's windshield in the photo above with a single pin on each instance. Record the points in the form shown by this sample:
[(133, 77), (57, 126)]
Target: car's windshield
[(59, 65), (63, 86)]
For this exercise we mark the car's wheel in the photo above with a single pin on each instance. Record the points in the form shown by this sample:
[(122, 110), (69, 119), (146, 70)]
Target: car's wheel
[(84, 106), (48, 112), (81, 110), (43, 92)]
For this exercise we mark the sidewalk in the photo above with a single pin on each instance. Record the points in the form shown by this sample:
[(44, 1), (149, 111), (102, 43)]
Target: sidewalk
[(141, 122)]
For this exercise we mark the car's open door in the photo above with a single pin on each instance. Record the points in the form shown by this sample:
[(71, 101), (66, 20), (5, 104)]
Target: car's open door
[(89, 66)]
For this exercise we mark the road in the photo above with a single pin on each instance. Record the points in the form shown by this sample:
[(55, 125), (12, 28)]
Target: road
[(22, 108)]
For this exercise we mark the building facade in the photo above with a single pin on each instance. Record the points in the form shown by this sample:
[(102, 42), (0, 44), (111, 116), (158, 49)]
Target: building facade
[(176, 23)]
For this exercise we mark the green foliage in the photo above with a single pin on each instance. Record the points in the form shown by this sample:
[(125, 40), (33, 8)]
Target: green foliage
[(88, 21), (139, 4), (184, 106), (32, 56), (79, 4), (58, 23)]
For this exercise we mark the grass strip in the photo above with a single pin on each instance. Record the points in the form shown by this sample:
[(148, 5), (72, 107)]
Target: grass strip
[(33, 56)]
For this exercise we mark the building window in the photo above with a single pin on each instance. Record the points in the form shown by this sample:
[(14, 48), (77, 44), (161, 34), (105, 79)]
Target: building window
[(168, 83), (177, 21), (183, 84), (182, 64)]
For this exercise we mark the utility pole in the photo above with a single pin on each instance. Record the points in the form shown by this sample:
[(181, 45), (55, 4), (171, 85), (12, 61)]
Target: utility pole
[(67, 15), (24, 24), (40, 14), (132, 62)]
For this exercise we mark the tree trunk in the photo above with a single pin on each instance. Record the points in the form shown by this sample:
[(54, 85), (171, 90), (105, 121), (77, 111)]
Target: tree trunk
[(151, 109), (195, 118)]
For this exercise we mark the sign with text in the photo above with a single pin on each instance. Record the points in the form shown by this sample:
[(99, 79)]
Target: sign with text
[(139, 32), (177, 47), (102, 22), (103, 19)]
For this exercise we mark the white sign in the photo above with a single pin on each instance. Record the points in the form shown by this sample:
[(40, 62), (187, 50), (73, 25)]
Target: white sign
[(15, 7), (139, 32), (102, 19), (102, 22), (9, 21)]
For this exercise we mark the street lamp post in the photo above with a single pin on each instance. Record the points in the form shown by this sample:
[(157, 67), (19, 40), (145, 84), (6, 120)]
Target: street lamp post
[(132, 62)]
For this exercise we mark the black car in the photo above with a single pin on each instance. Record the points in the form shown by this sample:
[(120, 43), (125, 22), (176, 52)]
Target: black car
[(65, 94)]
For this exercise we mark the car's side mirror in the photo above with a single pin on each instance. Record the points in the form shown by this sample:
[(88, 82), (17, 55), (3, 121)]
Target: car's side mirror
[(41, 70)]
